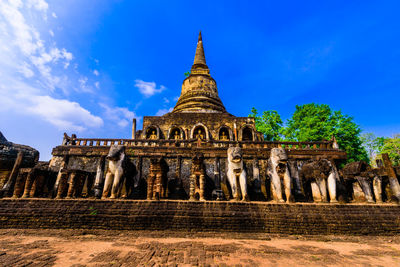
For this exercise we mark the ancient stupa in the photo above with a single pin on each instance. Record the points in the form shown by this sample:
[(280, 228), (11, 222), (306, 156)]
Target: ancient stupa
[(192, 139)]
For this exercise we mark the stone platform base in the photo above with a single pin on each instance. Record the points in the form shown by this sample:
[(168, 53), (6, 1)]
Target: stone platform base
[(298, 218)]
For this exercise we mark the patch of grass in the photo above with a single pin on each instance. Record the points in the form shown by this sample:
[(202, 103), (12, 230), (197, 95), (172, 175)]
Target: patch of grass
[(93, 211), (315, 258)]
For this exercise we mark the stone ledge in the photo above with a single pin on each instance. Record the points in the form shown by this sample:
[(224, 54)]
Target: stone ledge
[(265, 217)]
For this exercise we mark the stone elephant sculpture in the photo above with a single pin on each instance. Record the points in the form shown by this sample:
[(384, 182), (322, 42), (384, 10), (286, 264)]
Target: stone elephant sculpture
[(319, 177), (120, 171), (358, 177), (236, 174), (278, 171)]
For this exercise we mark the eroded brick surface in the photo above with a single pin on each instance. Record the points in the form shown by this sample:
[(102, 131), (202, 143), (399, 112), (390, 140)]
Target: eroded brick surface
[(348, 219)]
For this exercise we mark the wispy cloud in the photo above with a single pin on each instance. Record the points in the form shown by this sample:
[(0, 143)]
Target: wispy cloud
[(33, 77), (40, 5), (148, 88), (119, 115), (96, 72), (21, 42), (66, 115), (84, 86), (163, 111)]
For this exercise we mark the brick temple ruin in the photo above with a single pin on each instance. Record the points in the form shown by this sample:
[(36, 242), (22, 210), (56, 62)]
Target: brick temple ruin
[(198, 157)]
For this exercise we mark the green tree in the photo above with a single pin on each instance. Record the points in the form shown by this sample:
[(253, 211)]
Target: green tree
[(392, 147), (269, 123), (373, 145), (314, 122)]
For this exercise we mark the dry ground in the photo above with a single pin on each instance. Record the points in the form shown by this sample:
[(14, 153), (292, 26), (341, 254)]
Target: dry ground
[(117, 248)]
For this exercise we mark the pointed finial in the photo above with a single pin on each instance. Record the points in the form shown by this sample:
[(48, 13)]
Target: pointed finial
[(199, 58)]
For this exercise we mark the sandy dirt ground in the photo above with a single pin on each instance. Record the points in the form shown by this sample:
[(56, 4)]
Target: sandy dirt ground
[(118, 248)]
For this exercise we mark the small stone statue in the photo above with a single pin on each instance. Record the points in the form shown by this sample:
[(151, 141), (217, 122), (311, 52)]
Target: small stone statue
[(177, 136), (153, 135), (199, 135), (224, 137)]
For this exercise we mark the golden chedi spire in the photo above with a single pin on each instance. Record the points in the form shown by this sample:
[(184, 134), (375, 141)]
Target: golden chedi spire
[(199, 90), (199, 63)]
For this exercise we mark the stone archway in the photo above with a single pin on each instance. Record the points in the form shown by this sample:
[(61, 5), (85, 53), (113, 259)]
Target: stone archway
[(152, 132), (199, 129), (225, 134), (247, 134), (176, 133)]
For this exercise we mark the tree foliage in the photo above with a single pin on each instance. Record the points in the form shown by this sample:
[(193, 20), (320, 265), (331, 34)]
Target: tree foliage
[(269, 123), (314, 122), (379, 145), (392, 147), (373, 145)]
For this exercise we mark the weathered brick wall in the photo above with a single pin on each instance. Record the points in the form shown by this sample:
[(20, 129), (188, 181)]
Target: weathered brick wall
[(346, 219)]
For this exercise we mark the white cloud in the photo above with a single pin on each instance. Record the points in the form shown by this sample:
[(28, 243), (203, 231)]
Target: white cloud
[(176, 98), (148, 88), (26, 70), (166, 100), (22, 98), (163, 111), (120, 116), (84, 86), (54, 15), (51, 33), (63, 113), (97, 84), (22, 41), (32, 70), (96, 72), (39, 5)]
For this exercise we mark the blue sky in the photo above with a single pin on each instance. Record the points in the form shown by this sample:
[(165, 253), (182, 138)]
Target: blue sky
[(88, 67)]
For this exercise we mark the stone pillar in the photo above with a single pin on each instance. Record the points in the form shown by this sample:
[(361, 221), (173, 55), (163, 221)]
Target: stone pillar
[(235, 132), (82, 176), (20, 183), (8, 188), (133, 128), (150, 185), (202, 186), (192, 187), (217, 176), (294, 171), (29, 183), (72, 183), (158, 187), (394, 183), (377, 185), (63, 183), (63, 166)]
